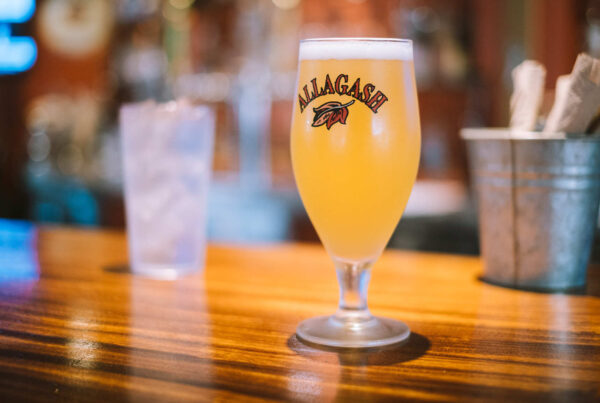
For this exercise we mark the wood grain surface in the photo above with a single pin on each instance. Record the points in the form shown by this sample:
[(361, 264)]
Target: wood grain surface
[(86, 330)]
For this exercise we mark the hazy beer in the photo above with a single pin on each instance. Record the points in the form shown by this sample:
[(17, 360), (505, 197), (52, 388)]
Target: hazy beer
[(355, 141)]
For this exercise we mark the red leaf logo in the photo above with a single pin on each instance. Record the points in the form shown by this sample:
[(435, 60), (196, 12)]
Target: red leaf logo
[(330, 113)]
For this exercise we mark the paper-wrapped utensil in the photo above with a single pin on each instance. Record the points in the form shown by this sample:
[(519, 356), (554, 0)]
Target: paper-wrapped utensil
[(528, 92), (577, 97)]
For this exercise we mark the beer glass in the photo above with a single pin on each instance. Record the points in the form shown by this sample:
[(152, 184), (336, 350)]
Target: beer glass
[(355, 144)]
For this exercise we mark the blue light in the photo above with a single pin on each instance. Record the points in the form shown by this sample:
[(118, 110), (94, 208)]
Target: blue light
[(18, 252), (16, 11), (17, 54)]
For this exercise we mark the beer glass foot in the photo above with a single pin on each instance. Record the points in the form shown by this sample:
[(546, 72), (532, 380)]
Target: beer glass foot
[(333, 331), (353, 325)]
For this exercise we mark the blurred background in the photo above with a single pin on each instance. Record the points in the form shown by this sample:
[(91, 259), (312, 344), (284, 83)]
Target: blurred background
[(67, 65)]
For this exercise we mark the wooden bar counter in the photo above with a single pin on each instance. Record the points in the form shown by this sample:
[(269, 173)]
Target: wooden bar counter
[(87, 330)]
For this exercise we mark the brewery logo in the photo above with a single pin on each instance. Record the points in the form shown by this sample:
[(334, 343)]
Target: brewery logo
[(330, 113), (333, 112)]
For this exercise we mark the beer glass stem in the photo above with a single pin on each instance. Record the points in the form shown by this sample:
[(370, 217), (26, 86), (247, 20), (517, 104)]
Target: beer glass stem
[(353, 278)]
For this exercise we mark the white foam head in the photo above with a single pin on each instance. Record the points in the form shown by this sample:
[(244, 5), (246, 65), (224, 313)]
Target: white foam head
[(356, 48)]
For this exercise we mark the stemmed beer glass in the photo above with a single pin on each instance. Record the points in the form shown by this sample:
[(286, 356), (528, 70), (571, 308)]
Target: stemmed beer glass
[(355, 146)]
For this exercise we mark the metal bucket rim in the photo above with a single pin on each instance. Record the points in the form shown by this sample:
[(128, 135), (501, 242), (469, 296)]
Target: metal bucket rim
[(500, 133)]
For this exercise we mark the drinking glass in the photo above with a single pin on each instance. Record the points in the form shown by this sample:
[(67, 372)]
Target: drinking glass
[(167, 158), (355, 144)]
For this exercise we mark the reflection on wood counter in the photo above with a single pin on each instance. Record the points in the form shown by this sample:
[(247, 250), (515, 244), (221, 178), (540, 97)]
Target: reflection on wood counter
[(87, 330)]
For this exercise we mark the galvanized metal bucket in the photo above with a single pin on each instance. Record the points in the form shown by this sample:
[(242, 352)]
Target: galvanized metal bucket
[(538, 197)]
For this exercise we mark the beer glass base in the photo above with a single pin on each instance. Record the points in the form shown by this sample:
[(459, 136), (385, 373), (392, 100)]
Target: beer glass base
[(332, 331)]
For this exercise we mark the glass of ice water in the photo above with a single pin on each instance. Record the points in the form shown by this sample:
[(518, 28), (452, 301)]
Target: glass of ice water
[(167, 157)]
